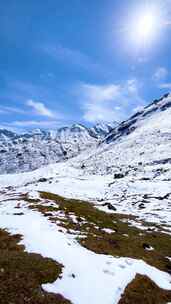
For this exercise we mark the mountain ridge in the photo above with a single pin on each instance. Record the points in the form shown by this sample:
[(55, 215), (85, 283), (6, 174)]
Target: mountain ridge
[(128, 126), (31, 150), (144, 139)]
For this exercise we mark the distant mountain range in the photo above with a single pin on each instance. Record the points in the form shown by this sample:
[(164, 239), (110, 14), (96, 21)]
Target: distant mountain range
[(29, 151)]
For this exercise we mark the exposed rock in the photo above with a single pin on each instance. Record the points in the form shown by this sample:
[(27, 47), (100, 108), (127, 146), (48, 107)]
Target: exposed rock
[(119, 175), (109, 206)]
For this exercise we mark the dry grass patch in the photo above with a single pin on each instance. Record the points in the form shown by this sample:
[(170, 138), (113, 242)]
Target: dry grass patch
[(143, 291), (125, 241), (22, 273)]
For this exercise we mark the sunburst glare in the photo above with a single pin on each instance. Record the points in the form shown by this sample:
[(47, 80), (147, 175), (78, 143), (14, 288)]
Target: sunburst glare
[(145, 25)]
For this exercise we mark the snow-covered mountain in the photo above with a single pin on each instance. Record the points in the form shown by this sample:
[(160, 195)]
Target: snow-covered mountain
[(101, 129), (29, 151), (143, 139), (128, 126)]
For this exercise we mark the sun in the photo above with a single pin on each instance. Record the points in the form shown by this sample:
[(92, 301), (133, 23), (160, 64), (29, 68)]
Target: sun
[(143, 27), (146, 26)]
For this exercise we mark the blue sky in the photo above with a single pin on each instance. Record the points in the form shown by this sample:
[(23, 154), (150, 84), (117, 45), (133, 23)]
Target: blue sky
[(80, 61)]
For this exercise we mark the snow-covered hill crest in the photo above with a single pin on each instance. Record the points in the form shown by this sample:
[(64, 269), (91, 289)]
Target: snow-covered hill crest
[(143, 140), (140, 117)]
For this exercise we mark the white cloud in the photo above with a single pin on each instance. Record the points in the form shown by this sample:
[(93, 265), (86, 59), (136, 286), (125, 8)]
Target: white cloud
[(100, 92), (40, 108), (165, 86), (160, 74), (100, 112), (108, 102), (160, 77)]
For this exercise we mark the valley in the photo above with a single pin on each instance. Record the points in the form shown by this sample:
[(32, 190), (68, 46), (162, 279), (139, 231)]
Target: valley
[(94, 226)]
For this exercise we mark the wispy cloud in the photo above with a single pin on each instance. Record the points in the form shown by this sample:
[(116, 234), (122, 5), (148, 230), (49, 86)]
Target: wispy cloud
[(35, 123), (166, 85), (9, 110), (18, 91), (165, 8), (71, 57), (31, 105), (160, 74), (23, 94), (23, 125), (109, 102), (160, 78), (168, 22), (40, 108)]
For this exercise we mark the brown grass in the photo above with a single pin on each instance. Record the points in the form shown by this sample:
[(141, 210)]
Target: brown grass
[(22, 273), (117, 243), (143, 291)]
